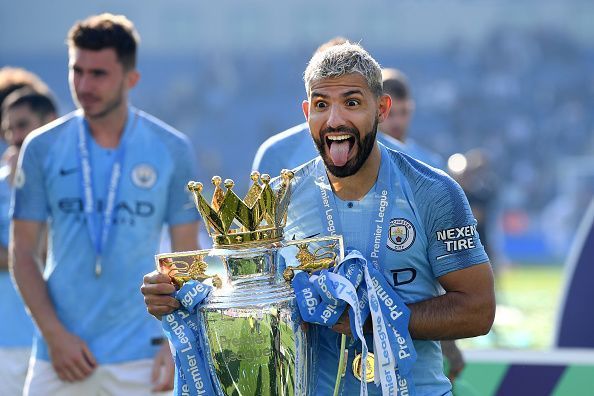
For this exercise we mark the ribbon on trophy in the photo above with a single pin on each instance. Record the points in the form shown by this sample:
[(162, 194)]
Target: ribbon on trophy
[(357, 284), (193, 376), (322, 298)]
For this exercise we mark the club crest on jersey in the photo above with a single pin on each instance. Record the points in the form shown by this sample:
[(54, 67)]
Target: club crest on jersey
[(402, 235), (144, 176)]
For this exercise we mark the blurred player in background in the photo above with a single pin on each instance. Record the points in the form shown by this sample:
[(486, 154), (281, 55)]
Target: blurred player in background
[(22, 111), (105, 179)]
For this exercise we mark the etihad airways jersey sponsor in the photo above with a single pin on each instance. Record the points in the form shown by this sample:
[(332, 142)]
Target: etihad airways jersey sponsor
[(107, 311), (423, 231)]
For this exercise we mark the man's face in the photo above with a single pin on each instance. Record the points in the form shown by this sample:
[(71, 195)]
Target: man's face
[(396, 124), (19, 121), (343, 116), (98, 82)]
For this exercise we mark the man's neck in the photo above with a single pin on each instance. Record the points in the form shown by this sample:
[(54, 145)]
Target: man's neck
[(108, 130), (354, 188)]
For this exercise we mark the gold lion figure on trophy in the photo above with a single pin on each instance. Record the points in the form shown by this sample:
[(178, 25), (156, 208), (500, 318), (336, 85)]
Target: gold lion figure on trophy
[(182, 272), (323, 257)]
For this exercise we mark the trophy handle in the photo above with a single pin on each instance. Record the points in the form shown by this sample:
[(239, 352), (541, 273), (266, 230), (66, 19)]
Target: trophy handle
[(185, 266)]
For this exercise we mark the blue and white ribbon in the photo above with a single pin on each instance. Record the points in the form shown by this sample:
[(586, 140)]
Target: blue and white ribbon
[(194, 376), (99, 233), (322, 299)]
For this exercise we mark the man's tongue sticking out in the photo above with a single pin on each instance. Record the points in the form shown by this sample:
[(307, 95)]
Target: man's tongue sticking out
[(339, 152)]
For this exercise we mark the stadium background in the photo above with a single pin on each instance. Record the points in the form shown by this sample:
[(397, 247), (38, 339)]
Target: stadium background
[(513, 78)]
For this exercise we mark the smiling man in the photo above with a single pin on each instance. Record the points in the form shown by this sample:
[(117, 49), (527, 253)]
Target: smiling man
[(395, 210), (105, 179)]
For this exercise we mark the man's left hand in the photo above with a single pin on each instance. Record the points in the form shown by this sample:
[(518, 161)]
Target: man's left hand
[(163, 370)]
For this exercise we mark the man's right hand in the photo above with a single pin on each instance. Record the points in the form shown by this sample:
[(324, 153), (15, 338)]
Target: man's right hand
[(71, 357), (157, 289)]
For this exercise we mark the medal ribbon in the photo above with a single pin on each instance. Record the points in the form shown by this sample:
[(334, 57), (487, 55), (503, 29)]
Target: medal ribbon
[(100, 234), (391, 338)]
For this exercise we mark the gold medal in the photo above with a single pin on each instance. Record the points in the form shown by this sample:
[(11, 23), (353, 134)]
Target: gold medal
[(358, 367)]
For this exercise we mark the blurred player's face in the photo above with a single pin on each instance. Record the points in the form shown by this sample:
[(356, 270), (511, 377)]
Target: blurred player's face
[(396, 124), (343, 115), (98, 81), (19, 121)]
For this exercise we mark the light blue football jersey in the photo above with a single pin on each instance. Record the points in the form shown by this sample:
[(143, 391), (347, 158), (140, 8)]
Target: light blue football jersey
[(106, 311), (17, 328), (294, 147), (423, 154), (431, 232)]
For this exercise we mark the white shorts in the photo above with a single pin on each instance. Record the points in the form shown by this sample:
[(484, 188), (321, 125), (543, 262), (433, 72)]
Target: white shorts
[(126, 379), (13, 370)]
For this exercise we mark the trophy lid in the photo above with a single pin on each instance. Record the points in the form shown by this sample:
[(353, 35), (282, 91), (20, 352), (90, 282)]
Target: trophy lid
[(259, 218)]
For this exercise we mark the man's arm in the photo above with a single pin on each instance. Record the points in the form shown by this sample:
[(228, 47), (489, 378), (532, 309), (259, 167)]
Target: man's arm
[(184, 237), (70, 356), (467, 309)]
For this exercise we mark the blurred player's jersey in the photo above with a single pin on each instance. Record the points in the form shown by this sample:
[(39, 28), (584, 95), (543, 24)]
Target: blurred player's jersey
[(16, 330), (431, 232), (423, 154), (106, 311), (294, 147)]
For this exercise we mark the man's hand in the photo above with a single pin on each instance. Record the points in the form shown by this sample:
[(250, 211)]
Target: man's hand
[(157, 289), (71, 357), (455, 359), (163, 370), (343, 325)]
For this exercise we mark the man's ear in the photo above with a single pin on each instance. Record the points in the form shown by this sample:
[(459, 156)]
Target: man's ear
[(305, 108), (132, 78), (385, 104)]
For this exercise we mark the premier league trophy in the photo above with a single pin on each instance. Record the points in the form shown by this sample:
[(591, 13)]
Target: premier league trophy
[(249, 328)]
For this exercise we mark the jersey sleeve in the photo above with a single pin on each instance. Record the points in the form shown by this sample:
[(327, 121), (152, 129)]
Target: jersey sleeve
[(181, 209), (453, 240), (30, 198), (266, 161)]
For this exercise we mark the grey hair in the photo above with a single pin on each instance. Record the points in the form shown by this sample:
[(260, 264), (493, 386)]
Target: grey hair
[(340, 60)]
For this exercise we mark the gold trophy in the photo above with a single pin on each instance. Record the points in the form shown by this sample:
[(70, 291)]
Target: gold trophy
[(255, 339)]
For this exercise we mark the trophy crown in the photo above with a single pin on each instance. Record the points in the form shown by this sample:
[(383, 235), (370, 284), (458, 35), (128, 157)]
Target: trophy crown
[(258, 218)]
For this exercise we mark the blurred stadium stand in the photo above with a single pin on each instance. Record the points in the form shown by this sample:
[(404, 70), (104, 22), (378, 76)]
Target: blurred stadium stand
[(514, 79)]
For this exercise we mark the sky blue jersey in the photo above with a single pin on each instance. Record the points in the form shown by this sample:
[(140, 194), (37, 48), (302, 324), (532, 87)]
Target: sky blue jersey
[(430, 232), (16, 330), (294, 147), (107, 311)]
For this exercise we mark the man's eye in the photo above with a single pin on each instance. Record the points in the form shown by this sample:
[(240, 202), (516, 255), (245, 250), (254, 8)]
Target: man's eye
[(352, 102), (321, 105)]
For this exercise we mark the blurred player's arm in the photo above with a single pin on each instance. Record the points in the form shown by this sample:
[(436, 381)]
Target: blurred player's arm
[(71, 357), (467, 309), (184, 237)]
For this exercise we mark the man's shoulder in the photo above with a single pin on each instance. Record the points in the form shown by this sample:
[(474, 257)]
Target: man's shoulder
[(155, 125), (160, 132), (52, 132), (416, 170), (289, 137)]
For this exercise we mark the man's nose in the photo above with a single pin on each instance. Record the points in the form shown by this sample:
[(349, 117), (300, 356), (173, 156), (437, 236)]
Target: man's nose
[(336, 117)]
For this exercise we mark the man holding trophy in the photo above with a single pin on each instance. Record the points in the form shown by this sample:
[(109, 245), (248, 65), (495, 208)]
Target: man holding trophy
[(422, 273)]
